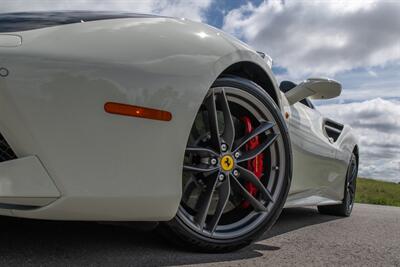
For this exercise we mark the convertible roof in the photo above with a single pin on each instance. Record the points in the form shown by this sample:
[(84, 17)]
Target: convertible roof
[(23, 21)]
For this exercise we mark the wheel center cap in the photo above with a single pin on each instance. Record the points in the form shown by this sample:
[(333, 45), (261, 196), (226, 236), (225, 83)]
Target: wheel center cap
[(227, 163)]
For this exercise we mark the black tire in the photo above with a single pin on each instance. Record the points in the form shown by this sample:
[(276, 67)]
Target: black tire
[(346, 207), (179, 232)]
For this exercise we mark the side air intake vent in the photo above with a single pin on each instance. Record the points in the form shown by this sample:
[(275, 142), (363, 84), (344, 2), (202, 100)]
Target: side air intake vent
[(6, 153), (333, 129)]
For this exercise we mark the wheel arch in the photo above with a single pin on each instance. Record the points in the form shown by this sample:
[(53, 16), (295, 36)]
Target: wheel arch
[(255, 73)]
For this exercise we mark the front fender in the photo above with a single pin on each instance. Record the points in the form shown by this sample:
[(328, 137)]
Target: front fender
[(109, 167)]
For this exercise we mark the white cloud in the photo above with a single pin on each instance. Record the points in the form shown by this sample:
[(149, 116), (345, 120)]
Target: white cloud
[(377, 125), (372, 73), (191, 9), (321, 37)]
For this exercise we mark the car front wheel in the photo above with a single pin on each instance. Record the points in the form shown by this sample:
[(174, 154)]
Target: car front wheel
[(236, 170)]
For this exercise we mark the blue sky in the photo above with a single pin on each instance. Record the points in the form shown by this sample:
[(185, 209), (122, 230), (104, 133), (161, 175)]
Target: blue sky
[(214, 15), (355, 42)]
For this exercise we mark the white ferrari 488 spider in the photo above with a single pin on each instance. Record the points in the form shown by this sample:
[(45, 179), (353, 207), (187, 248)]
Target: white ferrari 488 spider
[(126, 117)]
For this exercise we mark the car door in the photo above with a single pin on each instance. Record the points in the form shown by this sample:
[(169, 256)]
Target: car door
[(315, 168)]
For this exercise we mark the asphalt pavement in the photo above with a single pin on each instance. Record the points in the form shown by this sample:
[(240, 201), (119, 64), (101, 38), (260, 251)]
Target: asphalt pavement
[(301, 237)]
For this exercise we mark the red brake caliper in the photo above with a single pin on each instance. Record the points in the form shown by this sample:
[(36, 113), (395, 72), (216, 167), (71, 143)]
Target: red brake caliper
[(255, 165)]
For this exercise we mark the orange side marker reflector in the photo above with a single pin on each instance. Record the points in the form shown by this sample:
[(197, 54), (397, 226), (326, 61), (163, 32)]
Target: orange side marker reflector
[(135, 111), (287, 115)]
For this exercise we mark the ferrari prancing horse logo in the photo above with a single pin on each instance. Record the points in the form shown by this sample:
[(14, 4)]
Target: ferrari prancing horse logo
[(227, 163)]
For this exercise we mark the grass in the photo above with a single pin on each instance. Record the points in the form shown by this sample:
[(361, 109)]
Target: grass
[(377, 192)]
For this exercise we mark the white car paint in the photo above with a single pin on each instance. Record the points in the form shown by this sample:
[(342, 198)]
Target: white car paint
[(109, 167), (319, 166)]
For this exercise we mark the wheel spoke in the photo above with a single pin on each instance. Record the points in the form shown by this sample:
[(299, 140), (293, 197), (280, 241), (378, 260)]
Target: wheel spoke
[(250, 177), (202, 151), (354, 173), (200, 168), (224, 192), (204, 203), (351, 192), (257, 205), (351, 189), (248, 155), (264, 126), (213, 120), (188, 189), (229, 130), (201, 138)]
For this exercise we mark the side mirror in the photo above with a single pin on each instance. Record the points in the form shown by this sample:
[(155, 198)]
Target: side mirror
[(316, 88)]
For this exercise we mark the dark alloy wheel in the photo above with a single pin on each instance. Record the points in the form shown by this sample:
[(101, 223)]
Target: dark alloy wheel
[(236, 171), (346, 207)]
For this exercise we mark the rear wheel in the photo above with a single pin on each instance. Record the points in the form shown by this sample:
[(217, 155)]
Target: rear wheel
[(237, 169), (346, 207)]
